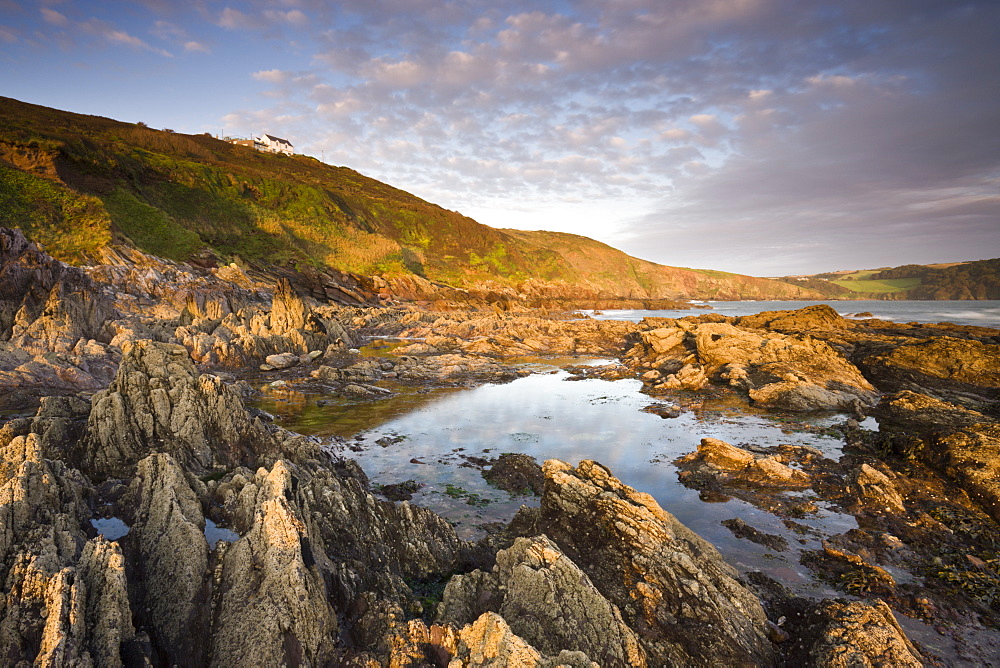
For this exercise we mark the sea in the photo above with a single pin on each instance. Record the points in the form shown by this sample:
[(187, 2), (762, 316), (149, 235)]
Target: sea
[(983, 313)]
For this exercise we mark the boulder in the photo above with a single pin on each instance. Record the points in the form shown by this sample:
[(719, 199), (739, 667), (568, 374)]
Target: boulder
[(547, 600), (810, 318), (877, 489), (736, 466), (516, 473), (792, 372), (282, 360), (944, 367), (841, 633), (673, 589)]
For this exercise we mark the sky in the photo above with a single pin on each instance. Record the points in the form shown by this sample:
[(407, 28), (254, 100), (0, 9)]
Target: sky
[(766, 137)]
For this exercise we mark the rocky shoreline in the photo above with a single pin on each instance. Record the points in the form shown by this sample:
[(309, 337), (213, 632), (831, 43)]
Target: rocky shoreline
[(123, 387)]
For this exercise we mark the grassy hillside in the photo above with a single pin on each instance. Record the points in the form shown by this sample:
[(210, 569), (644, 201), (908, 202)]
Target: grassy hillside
[(955, 280), (595, 264), (76, 183)]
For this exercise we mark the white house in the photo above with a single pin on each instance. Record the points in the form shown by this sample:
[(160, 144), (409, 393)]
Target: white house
[(272, 144)]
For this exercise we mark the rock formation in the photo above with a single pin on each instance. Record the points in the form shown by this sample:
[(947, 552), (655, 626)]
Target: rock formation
[(672, 588), (961, 443), (777, 370), (159, 402)]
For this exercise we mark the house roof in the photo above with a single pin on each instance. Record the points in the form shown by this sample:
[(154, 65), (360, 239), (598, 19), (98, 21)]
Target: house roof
[(278, 139)]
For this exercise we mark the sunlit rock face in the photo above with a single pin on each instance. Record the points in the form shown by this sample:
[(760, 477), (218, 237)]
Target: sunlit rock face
[(672, 587), (788, 371)]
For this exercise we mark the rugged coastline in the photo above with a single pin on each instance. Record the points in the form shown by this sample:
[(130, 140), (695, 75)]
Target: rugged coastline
[(123, 394)]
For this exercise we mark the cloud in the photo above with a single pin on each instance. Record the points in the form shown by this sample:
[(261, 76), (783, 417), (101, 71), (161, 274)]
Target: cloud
[(113, 36), (272, 76), (53, 17), (195, 47), (234, 19), (841, 133), (8, 35), (292, 17)]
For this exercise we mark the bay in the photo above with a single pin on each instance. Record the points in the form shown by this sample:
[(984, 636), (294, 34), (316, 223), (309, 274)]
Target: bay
[(982, 313)]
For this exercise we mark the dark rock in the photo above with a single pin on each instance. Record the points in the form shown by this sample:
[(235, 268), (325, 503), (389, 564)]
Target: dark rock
[(517, 474), (663, 410), (400, 491), (741, 529), (944, 367)]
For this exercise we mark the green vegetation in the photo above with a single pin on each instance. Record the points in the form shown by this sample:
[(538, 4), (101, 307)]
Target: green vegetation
[(150, 228), (77, 183), (959, 280), (68, 223), (878, 286), (471, 498)]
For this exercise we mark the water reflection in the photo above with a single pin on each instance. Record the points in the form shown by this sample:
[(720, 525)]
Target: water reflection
[(428, 436)]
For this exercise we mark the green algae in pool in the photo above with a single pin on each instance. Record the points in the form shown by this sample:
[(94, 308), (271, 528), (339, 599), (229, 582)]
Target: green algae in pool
[(316, 414)]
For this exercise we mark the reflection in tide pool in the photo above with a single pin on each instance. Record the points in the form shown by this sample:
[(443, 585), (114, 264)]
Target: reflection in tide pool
[(112, 528), (548, 416)]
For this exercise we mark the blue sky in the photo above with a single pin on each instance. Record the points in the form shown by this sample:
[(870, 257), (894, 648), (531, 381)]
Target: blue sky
[(760, 136)]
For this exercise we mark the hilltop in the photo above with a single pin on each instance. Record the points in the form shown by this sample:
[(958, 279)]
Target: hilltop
[(79, 184), (953, 280)]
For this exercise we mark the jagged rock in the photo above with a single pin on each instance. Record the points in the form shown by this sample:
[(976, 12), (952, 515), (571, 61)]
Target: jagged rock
[(944, 367), (672, 587), (171, 559), (877, 489), (159, 402), (272, 604), (777, 370), (33, 491), (46, 305), (108, 615), (245, 335), (841, 634), (488, 642), (735, 465), (44, 616), (546, 600), (63, 637)]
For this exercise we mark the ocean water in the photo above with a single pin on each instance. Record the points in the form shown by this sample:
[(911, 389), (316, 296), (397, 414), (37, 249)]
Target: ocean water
[(984, 313)]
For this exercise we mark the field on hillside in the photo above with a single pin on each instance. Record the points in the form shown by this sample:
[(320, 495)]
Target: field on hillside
[(881, 286)]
